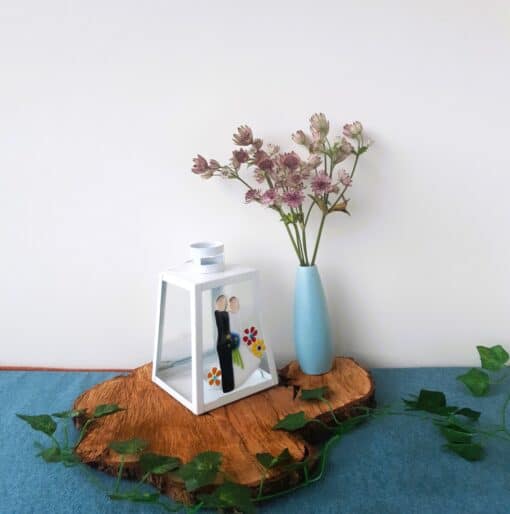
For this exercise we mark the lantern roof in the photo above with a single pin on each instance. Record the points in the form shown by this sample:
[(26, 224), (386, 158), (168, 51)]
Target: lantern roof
[(185, 276)]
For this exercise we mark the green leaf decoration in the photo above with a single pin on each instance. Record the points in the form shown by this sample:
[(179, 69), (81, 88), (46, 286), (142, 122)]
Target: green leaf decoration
[(493, 358), (136, 496), (158, 464), (292, 422), (42, 423), (229, 495), (468, 413), (105, 410), (237, 359), (455, 433), (477, 381), (314, 394), (468, 451), (129, 447), (69, 458), (50, 454), (431, 401), (68, 414), (201, 470), (268, 461)]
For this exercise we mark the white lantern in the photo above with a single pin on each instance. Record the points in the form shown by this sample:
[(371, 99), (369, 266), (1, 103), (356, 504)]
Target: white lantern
[(209, 347)]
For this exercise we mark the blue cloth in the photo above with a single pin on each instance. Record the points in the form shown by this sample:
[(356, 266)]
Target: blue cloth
[(390, 465)]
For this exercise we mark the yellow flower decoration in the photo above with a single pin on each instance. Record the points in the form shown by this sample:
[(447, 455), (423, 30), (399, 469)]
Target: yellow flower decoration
[(258, 348)]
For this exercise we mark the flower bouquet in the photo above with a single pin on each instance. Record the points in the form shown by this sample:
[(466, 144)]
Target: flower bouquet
[(294, 186)]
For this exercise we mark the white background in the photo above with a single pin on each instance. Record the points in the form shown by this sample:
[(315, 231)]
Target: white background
[(103, 104)]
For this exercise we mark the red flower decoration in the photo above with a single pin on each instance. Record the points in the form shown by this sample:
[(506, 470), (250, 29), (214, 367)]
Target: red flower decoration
[(250, 335)]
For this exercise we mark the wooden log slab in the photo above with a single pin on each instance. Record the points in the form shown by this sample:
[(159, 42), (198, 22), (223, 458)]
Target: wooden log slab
[(238, 431)]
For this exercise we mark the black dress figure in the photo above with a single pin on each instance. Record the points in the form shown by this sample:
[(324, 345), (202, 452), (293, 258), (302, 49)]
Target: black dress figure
[(224, 347)]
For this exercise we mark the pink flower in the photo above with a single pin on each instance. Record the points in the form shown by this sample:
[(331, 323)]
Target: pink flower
[(300, 138), (240, 156), (270, 198), (346, 147), (214, 164), (319, 125), (260, 175), (257, 143), (353, 129), (295, 180), (345, 178), (244, 136), (273, 149), (290, 160), (200, 165), (313, 162), (321, 184), (293, 199), (263, 161), (252, 195)]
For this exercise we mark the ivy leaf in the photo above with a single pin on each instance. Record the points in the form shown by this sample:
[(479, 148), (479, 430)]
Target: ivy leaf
[(430, 401), (106, 409), (136, 496), (268, 461), (129, 447), (158, 464), (68, 414), (476, 380), (493, 358), (201, 470), (42, 423), (69, 458), (314, 394), (50, 454), (292, 422), (468, 451), (229, 495), (455, 433), (468, 413)]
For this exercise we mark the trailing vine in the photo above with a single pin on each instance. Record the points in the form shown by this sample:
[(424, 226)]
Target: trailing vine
[(459, 426)]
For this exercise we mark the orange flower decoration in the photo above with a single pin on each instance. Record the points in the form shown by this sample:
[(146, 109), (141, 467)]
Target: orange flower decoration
[(213, 376)]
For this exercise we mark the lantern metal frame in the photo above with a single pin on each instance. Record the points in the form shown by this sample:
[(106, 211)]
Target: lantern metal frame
[(184, 277)]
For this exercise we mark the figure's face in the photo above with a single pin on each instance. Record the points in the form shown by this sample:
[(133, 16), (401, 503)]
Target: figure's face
[(221, 303), (233, 305)]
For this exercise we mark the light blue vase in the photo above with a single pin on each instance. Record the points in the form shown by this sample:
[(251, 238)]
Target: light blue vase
[(312, 333)]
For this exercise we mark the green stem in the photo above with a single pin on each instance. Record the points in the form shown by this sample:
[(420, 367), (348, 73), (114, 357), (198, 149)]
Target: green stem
[(309, 211), (326, 448), (261, 486), (119, 475), (300, 245), (503, 414), (328, 403), (317, 241), (341, 195), (84, 430)]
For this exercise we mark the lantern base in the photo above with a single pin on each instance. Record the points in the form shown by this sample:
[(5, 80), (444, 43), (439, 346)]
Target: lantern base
[(179, 386), (238, 431)]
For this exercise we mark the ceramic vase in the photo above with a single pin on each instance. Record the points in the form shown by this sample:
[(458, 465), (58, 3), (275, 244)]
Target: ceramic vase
[(312, 332)]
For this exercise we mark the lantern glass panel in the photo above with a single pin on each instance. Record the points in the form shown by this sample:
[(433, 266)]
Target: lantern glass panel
[(174, 363), (237, 302)]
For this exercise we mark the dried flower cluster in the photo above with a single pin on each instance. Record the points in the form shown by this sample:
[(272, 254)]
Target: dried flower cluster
[(286, 182)]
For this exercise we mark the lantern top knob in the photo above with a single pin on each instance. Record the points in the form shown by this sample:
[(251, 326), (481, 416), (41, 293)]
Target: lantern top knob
[(207, 256)]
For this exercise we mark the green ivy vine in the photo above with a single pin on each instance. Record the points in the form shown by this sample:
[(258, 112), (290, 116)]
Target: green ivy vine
[(459, 426)]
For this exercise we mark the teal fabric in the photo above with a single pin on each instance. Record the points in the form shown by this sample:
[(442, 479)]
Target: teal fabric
[(391, 465)]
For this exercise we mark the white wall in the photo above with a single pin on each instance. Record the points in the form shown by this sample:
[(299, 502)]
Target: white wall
[(104, 103)]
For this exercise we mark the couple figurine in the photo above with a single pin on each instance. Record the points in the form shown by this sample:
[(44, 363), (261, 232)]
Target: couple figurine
[(227, 342)]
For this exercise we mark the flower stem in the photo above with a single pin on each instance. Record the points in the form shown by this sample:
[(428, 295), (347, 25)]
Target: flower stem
[(318, 240)]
